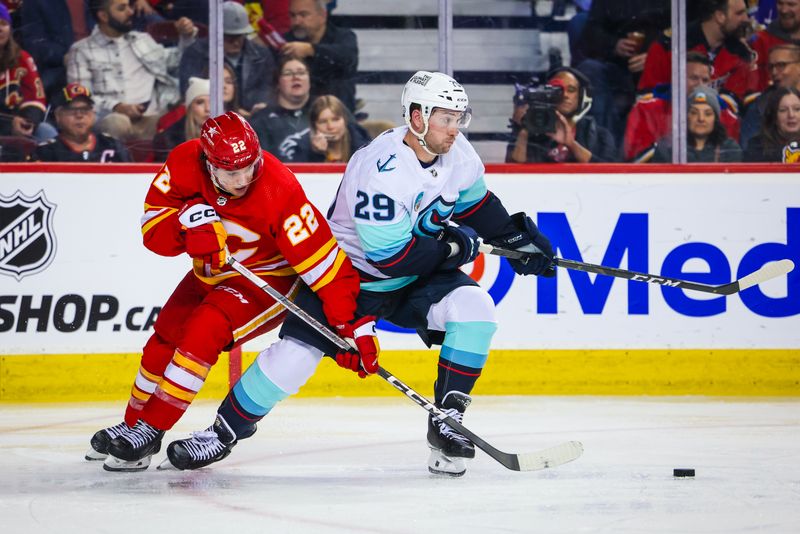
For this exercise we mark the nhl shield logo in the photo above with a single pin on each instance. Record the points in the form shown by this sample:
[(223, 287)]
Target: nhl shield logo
[(27, 240)]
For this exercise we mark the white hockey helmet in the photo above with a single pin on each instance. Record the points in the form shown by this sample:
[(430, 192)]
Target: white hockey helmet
[(434, 90)]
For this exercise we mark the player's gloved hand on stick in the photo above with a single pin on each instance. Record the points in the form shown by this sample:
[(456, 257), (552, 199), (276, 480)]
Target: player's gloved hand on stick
[(205, 236), (466, 242), (364, 358), (528, 239)]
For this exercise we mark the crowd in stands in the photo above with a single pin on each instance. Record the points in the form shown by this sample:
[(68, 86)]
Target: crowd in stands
[(122, 80), (742, 71)]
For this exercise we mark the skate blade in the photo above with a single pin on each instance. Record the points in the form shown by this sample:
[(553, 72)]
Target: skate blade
[(166, 465), (94, 456), (439, 464), (115, 464)]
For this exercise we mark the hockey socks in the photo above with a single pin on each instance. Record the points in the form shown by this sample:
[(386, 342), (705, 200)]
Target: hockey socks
[(183, 378), (251, 398), (464, 352)]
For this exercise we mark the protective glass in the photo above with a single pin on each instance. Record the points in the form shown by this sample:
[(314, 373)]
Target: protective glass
[(442, 118)]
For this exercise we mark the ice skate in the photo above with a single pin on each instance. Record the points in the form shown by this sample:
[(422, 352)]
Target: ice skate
[(448, 447), (133, 448), (202, 448), (101, 439)]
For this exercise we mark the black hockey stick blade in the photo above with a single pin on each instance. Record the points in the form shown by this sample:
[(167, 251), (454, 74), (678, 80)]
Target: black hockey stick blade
[(532, 461), (768, 271), (551, 457)]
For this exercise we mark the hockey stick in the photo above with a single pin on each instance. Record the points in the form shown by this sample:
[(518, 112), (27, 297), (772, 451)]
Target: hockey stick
[(768, 271), (533, 461)]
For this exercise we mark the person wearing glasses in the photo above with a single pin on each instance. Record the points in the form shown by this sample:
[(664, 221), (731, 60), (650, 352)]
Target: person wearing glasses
[(281, 125), (783, 64), (75, 118), (331, 51), (784, 29)]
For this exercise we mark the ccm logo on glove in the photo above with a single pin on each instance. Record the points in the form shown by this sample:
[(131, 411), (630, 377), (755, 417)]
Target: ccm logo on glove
[(193, 215)]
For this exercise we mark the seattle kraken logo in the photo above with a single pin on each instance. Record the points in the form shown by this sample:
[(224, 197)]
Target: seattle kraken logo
[(432, 218), (384, 167)]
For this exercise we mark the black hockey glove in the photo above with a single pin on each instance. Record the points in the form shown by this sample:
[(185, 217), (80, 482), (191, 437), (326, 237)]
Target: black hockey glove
[(528, 239), (468, 242)]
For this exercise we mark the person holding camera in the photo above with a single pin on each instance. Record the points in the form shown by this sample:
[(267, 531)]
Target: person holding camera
[(550, 123)]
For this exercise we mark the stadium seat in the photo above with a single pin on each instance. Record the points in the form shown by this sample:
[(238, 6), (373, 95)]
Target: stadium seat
[(140, 150), (16, 148)]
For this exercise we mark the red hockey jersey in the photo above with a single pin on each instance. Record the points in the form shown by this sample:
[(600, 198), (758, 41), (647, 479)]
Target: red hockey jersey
[(650, 121), (273, 229), (22, 91), (734, 68)]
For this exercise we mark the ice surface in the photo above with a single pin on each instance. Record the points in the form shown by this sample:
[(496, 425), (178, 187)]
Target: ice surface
[(359, 465)]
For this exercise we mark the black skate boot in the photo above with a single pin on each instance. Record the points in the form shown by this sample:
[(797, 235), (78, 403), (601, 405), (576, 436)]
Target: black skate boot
[(101, 439), (133, 448), (203, 448), (448, 447)]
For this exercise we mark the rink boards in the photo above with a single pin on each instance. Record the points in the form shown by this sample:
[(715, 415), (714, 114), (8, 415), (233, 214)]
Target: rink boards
[(79, 292)]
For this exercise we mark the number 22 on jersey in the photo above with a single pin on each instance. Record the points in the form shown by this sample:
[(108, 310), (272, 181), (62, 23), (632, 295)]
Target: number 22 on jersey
[(300, 227)]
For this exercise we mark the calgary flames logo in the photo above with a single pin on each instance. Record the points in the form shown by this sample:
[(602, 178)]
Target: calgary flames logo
[(791, 152)]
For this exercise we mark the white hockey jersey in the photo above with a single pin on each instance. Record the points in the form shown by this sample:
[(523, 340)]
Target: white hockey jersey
[(387, 198)]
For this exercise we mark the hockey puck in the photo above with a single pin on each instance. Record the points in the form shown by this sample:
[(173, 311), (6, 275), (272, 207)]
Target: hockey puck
[(683, 472)]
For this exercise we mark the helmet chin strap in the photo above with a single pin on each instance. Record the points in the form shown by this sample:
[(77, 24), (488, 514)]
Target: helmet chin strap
[(421, 138), (214, 181)]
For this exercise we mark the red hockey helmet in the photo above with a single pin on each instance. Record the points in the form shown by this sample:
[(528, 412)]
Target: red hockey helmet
[(229, 142), (230, 145)]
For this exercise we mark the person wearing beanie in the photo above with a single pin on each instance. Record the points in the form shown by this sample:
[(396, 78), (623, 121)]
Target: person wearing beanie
[(198, 109), (707, 140)]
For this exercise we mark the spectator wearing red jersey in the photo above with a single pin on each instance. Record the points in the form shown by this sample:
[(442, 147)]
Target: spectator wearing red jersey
[(718, 34), (651, 117), (783, 30), (23, 104)]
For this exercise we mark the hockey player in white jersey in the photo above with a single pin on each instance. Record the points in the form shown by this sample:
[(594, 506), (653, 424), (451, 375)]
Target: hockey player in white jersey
[(409, 212)]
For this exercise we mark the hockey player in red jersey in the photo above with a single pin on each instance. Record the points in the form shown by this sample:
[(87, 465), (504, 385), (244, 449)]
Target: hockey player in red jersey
[(220, 195)]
